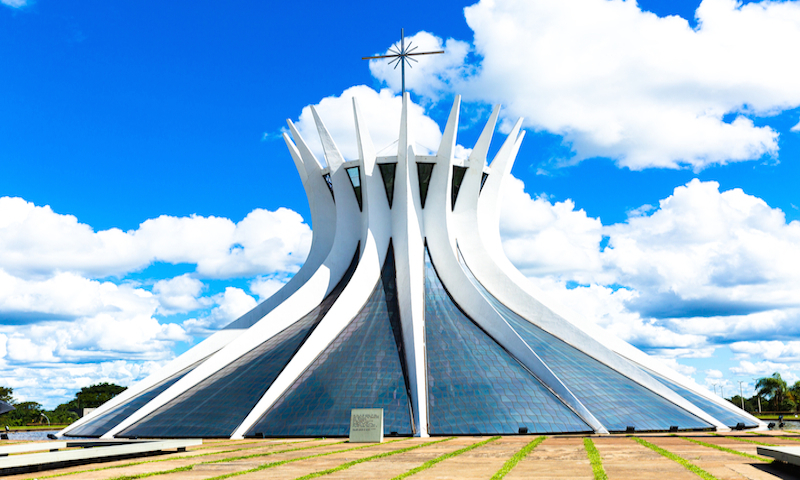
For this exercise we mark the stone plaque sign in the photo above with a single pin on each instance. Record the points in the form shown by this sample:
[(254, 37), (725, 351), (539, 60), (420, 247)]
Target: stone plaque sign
[(366, 425)]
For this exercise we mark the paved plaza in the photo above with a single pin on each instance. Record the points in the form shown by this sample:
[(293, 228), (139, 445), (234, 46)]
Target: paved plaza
[(659, 457)]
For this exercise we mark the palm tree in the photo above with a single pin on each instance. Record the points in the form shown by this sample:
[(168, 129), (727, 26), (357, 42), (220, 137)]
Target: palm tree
[(774, 388)]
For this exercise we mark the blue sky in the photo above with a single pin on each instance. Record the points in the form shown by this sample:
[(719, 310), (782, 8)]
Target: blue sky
[(146, 197)]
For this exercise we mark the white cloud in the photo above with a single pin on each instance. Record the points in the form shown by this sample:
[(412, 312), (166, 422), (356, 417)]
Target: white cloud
[(706, 253), (703, 269), (678, 367), (37, 241), (231, 304), (265, 286), (179, 294), (381, 111), (67, 296), (774, 350), (54, 384), (619, 82), (543, 238), (14, 3), (66, 325), (764, 369)]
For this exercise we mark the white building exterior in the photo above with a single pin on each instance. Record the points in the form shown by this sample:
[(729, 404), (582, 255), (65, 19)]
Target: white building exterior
[(407, 303)]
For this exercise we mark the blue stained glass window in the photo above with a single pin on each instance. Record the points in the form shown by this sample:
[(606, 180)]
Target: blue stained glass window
[(614, 399), (217, 405), (362, 368), (731, 419), (474, 385), (105, 422)]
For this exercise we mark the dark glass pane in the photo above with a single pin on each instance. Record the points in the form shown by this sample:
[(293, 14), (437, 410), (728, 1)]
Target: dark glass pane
[(614, 399), (424, 171), (328, 180), (355, 179), (387, 173), (360, 369), (474, 385), (731, 419), (483, 179), (458, 177), (216, 406), (112, 418)]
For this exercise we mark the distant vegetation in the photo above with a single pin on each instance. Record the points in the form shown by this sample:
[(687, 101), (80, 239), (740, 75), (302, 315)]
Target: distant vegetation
[(33, 413), (775, 394)]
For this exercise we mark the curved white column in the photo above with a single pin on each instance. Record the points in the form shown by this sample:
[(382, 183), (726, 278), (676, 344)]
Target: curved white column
[(323, 221), (442, 247), (348, 222), (484, 256), (376, 235), (407, 234)]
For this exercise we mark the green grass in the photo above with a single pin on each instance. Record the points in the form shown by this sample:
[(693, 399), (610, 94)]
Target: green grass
[(367, 459), (784, 437), (131, 464), (36, 427), (513, 461), (442, 458), (266, 454), (728, 450), (594, 457), (283, 462), (741, 439), (677, 458), (152, 474)]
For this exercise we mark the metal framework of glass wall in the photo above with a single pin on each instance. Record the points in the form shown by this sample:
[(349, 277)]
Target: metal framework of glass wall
[(362, 368)]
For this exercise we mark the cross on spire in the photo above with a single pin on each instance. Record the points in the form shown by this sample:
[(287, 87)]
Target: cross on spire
[(402, 56)]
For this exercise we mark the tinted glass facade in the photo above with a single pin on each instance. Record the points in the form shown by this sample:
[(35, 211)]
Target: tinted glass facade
[(615, 400), (216, 406), (474, 385), (362, 368), (725, 416), (109, 420)]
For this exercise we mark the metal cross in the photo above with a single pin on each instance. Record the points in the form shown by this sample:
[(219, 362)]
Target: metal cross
[(402, 56)]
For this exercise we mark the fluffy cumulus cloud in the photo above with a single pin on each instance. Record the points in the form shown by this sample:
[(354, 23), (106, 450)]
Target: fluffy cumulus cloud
[(34, 240), (619, 82), (544, 238), (75, 310), (706, 252), (704, 269), (381, 111)]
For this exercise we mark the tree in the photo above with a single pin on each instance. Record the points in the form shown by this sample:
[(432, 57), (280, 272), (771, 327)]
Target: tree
[(774, 389), (95, 395), (794, 392), (25, 413), (750, 404), (6, 395)]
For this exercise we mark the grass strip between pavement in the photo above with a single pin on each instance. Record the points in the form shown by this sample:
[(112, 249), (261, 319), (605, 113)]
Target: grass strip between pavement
[(594, 458), (367, 459), (282, 462), (444, 457), (131, 464), (742, 439), (782, 437), (513, 461), (728, 450), (234, 444), (677, 458)]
